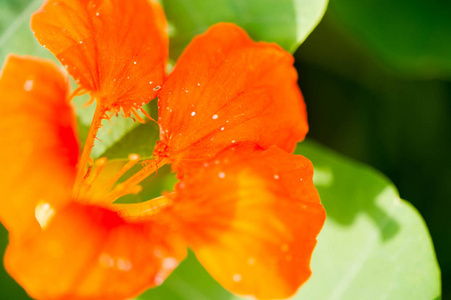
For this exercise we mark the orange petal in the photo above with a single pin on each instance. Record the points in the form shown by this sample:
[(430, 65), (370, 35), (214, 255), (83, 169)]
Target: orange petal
[(113, 48), (225, 89), (252, 218), (39, 148), (89, 252)]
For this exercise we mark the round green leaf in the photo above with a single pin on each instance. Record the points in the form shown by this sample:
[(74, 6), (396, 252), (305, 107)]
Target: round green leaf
[(285, 22), (374, 245)]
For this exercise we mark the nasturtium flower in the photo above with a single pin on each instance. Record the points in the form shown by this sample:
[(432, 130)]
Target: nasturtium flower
[(230, 113)]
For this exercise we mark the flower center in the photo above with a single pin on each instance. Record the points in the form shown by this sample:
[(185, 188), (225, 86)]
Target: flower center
[(100, 185)]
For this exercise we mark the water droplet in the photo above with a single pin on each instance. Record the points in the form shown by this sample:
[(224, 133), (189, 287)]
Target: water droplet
[(134, 62), (150, 82), (169, 263), (81, 42), (28, 85), (44, 213), (193, 114), (221, 174), (106, 260), (222, 128), (198, 84), (233, 141), (186, 91), (97, 14), (158, 280), (236, 277), (215, 117), (157, 88), (124, 265), (276, 176)]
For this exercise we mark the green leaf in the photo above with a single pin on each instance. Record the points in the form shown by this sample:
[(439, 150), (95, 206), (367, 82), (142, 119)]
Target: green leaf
[(285, 22), (15, 33), (112, 132), (413, 36), (373, 246)]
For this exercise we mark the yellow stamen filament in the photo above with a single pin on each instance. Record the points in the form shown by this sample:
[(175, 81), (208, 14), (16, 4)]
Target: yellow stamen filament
[(133, 181), (90, 178), (143, 209), (137, 116), (77, 92), (147, 115), (89, 102), (133, 159)]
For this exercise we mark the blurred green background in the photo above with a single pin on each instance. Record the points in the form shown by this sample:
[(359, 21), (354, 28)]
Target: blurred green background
[(376, 76)]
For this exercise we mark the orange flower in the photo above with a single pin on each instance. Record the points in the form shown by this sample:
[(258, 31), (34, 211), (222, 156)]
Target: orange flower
[(226, 89), (244, 205)]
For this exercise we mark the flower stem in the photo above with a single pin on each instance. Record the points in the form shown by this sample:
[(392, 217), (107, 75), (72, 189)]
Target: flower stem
[(82, 163)]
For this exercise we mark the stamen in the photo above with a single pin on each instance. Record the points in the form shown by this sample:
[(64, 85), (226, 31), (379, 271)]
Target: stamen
[(77, 92), (143, 209), (137, 116), (133, 181), (147, 115), (121, 190), (133, 160), (89, 102), (89, 180)]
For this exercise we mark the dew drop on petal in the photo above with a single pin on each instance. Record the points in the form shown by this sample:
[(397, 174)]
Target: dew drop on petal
[(221, 174), (236, 277), (276, 176), (28, 85), (159, 280), (215, 117), (124, 265), (170, 263), (44, 213), (193, 113), (106, 260)]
